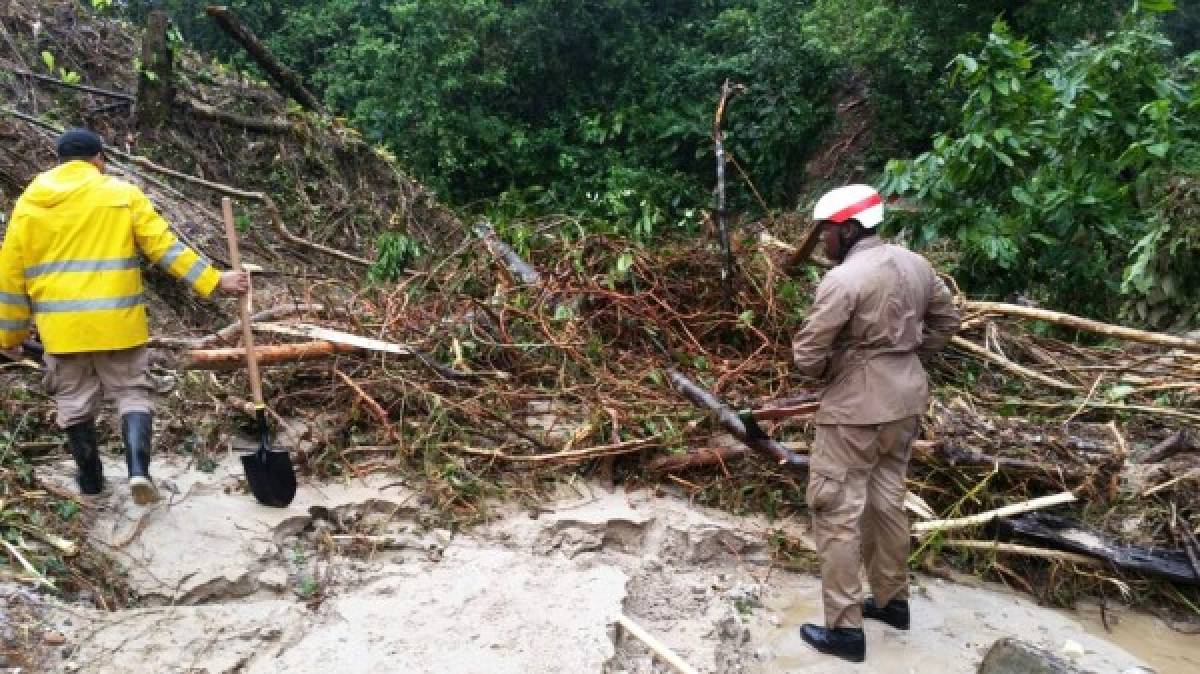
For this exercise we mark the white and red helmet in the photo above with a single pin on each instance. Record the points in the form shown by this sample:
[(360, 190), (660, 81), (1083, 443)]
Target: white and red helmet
[(860, 202)]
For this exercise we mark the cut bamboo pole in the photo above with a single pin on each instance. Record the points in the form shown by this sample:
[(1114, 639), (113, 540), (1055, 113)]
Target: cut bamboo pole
[(657, 647), (1007, 364), (1029, 551), (1086, 324), (985, 517)]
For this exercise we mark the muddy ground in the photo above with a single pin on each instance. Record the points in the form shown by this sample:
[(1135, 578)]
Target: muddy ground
[(355, 577)]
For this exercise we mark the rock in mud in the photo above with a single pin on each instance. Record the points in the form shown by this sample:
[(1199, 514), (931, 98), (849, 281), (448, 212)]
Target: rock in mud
[(1011, 656)]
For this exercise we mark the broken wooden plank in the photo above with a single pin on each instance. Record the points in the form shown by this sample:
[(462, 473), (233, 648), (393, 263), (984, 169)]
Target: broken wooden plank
[(1063, 534)]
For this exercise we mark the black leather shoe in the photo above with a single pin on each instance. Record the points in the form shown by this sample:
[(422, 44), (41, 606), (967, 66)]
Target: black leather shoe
[(848, 643), (894, 613), (136, 431), (81, 438)]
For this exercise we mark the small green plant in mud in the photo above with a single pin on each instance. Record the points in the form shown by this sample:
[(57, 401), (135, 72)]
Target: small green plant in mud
[(66, 509), (792, 554), (307, 587)]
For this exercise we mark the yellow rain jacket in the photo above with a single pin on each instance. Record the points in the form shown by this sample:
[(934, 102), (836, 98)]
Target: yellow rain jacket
[(69, 261)]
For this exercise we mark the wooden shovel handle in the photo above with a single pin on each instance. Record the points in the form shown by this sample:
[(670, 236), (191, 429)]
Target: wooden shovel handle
[(807, 245), (235, 260)]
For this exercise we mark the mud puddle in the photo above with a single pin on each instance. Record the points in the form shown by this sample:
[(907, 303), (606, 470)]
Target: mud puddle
[(354, 577)]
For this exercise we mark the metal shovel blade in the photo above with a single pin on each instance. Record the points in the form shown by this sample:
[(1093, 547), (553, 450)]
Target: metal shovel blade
[(271, 477), (269, 471)]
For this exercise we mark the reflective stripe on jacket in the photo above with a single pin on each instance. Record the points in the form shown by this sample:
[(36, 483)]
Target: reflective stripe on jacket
[(70, 261), (874, 317)]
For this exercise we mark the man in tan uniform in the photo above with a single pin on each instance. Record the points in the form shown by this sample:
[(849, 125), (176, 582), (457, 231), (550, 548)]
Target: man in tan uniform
[(876, 316)]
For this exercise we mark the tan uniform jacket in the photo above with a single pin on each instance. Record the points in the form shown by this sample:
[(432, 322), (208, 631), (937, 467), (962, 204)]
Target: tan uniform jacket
[(875, 316)]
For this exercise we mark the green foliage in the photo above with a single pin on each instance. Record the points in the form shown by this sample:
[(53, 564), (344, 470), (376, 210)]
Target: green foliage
[(396, 253), (1050, 184)]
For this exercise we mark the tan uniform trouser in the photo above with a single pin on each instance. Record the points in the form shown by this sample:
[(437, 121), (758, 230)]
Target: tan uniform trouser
[(856, 496), (79, 381)]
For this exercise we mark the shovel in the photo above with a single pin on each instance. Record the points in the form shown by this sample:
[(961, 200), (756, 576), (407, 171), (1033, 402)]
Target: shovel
[(269, 472)]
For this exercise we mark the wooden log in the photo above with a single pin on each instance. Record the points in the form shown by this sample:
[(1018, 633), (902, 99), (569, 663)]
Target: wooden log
[(259, 124), (698, 458), (1007, 364), (287, 79), (956, 455), (1178, 442), (1085, 324), (235, 358), (1062, 534), (732, 423), (516, 266), (156, 85)]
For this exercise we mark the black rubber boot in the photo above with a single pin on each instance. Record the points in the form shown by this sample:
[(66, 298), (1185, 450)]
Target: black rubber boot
[(81, 438), (848, 643), (894, 613), (137, 429)]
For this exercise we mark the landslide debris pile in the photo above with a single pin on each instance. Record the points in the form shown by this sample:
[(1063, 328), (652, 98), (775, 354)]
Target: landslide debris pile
[(513, 368)]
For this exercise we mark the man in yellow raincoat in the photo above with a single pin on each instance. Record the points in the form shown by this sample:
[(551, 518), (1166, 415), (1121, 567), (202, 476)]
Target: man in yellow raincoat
[(69, 264)]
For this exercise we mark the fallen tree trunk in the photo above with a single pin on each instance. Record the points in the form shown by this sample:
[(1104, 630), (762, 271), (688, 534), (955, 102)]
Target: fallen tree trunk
[(285, 77), (235, 358), (1063, 534), (1085, 324), (732, 423)]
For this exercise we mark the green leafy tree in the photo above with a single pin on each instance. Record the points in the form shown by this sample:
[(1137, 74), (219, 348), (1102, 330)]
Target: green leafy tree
[(1052, 183)]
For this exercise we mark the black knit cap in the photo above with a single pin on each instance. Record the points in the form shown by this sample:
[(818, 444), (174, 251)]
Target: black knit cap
[(78, 144)]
